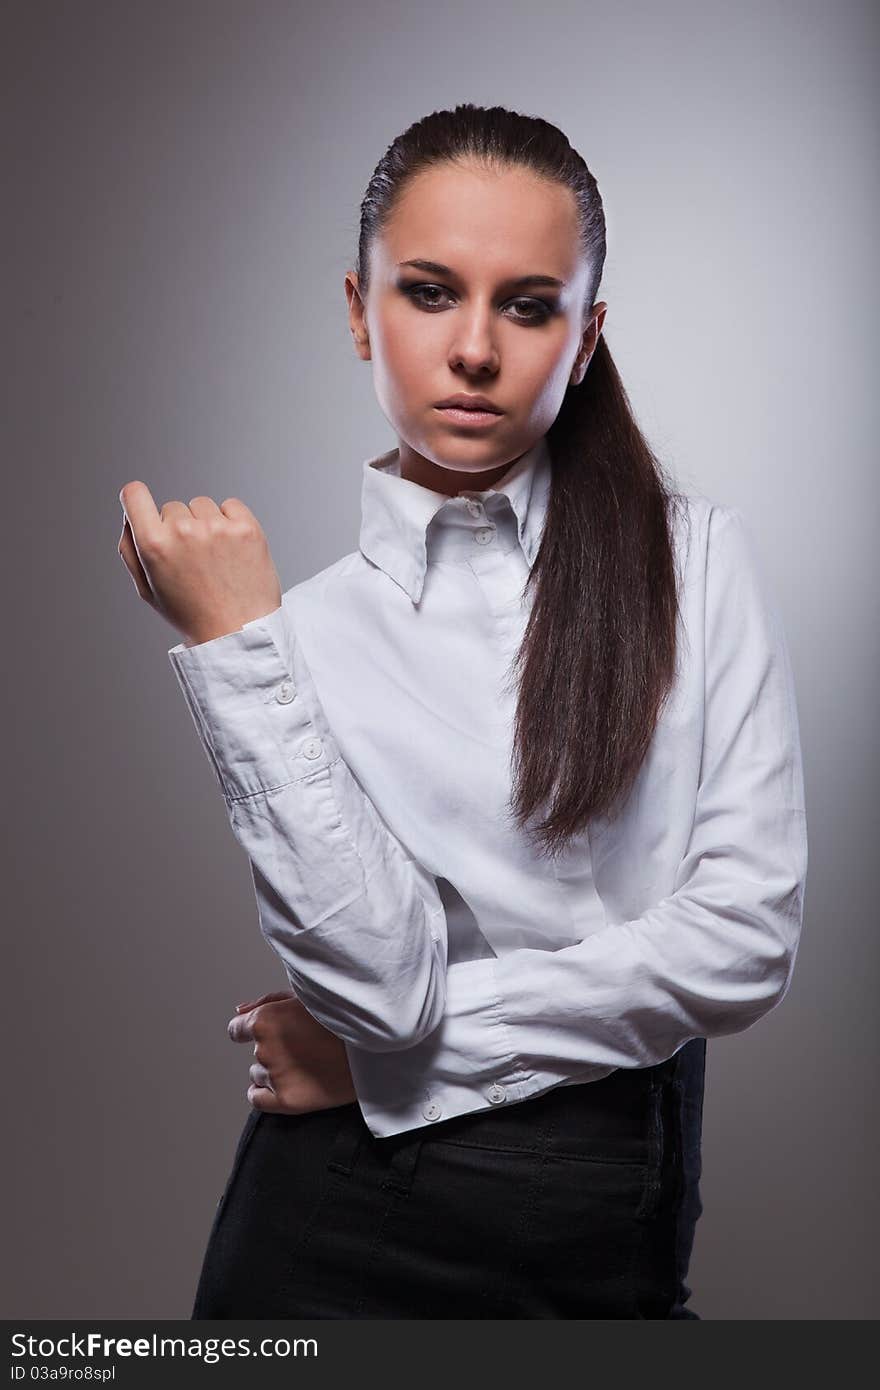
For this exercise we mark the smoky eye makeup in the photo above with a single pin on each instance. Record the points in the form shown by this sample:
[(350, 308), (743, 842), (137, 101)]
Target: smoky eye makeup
[(529, 309)]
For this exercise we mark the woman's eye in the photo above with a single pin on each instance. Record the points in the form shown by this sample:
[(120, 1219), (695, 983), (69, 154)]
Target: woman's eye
[(544, 310), (415, 290), (529, 311)]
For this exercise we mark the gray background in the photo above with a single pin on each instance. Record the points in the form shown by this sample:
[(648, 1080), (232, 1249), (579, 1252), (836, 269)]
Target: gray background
[(185, 181)]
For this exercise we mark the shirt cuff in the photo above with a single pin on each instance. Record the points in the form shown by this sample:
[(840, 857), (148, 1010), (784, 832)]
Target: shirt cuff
[(466, 1065), (255, 707)]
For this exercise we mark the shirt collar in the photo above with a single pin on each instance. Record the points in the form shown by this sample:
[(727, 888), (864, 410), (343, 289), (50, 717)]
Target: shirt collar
[(396, 512)]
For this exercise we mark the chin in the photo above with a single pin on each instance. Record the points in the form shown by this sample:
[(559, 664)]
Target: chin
[(468, 465)]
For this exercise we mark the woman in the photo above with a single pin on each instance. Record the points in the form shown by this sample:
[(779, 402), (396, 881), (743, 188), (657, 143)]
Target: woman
[(511, 912)]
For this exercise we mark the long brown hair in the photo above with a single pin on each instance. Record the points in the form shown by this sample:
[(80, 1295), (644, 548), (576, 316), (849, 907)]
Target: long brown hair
[(598, 656)]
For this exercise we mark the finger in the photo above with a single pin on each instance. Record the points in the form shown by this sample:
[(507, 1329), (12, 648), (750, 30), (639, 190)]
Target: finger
[(132, 563), (204, 507), (263, 1099), (144, 523), (260, 1076), (265, 999), (142, 512), (241, 1028), (236, 510), (173, 508)]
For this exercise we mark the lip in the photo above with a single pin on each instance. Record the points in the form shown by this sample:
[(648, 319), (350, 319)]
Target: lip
[(465, 401), (472, 419)]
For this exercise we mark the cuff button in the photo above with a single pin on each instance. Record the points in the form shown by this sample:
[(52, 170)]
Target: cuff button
[(431, 1111), (285, 693), (497, 1094)]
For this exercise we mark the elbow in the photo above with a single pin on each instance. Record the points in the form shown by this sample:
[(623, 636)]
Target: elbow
[(377, 1011), (780, 976), (404, 1035), (718, 1015), (764, 998), (782, 924), (758, 978), (411, 1013), (375, 993)]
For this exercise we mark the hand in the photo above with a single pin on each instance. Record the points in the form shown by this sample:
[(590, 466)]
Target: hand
[(301, 1066), (207, 569)]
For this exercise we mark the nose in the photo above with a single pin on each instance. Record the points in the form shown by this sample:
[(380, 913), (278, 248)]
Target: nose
[(473, 346)]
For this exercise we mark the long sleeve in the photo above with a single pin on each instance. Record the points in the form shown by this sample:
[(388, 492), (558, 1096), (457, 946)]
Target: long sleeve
[(358, 925), (710, 959)]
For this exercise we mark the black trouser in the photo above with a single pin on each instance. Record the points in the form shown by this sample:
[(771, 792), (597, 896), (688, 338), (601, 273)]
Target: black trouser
[(580, 1203)]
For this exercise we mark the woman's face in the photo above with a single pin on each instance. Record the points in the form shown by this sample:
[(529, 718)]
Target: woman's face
[(470, 327)]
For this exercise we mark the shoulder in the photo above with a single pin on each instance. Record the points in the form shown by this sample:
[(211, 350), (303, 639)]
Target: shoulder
[(693, 510), (705, 531), (343, 587), (342, 573), (730, 592), (724, 591)]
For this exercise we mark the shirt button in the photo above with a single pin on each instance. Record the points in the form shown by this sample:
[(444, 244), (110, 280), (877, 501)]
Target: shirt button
[(431, 1111), (313, 749), (285, 693), (484, 535), (497, 1094)]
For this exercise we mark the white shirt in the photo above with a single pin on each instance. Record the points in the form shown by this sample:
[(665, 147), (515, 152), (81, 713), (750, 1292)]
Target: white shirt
[(361, 735)]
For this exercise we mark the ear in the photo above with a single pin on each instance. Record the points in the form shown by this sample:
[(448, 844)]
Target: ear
[(588, 343), (357, 316)]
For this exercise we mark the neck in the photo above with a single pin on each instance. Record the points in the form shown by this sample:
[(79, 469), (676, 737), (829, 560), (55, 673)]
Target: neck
[(450, 481)]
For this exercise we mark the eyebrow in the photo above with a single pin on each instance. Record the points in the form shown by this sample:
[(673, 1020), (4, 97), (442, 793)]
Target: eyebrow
[(435, 268)]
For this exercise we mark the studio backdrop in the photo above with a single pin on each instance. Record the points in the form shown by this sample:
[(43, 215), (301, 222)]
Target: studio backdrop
[(183, 184)]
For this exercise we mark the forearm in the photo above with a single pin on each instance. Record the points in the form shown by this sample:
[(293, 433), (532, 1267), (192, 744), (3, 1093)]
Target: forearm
[(358, 925), (710, 960)]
